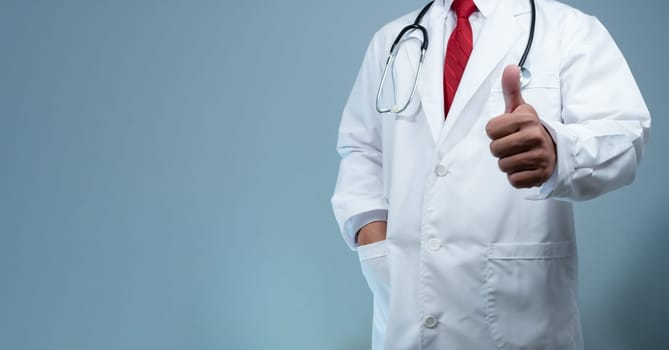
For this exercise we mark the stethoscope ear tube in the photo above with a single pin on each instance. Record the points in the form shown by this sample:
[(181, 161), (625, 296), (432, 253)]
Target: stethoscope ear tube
[(389, 63), (401, 35), (525, 74)]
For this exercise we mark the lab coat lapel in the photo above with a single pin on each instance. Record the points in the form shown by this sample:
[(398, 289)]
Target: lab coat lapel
[(430, 87), (498, 35)]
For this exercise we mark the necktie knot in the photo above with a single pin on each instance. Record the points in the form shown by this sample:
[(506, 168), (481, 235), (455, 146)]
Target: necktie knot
[(463, 8)]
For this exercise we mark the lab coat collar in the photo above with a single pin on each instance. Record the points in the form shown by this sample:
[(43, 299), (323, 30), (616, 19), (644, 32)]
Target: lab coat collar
[(485, 7)]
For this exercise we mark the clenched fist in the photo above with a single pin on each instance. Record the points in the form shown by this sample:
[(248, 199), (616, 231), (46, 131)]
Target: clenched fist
[(525, 149)]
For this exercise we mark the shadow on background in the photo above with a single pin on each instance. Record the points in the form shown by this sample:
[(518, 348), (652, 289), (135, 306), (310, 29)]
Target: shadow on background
[(638, 306), (624, 280)]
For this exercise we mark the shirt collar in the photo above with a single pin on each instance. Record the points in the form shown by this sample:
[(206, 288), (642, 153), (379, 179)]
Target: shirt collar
[(485, 6)]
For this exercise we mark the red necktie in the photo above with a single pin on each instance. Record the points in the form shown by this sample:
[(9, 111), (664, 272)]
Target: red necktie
[(459, 48)]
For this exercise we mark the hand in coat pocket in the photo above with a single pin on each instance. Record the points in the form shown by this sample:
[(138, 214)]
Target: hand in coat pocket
[(371, 233)]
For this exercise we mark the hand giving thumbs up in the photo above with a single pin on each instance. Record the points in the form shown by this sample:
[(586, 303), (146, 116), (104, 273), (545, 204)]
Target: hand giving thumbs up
[(525, 149)]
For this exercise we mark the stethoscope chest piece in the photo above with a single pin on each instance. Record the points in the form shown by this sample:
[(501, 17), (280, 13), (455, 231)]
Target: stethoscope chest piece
[(525, 77)]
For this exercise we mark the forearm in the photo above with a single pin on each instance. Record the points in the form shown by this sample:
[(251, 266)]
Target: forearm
[(372, 232), (358, 198), (596, 157), (604, 123)]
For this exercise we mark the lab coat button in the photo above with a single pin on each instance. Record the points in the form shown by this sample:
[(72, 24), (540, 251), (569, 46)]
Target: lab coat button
[(430, 321), (441, 170), (433, 244)]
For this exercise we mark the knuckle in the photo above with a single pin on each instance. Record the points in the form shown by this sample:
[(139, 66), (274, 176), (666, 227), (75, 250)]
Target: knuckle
[(522, 116), (529, 110), (535, 136), (538, 156), (529, 118), (543, 155), (526, 117)]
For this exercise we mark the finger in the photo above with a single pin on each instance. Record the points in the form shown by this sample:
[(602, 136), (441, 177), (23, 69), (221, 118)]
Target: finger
[(511, 88), (503, 125), (509, 123), (523, 161), (513, 144), (527, 179)]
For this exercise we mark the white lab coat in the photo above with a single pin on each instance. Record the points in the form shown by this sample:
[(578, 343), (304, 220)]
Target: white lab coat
[(469, 261)]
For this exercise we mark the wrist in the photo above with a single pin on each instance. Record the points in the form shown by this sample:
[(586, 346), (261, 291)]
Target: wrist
[(372, 232)]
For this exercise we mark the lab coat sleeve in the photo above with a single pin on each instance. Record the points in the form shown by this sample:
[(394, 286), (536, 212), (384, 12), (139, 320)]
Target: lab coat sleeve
[(604, 121), (359, 193)]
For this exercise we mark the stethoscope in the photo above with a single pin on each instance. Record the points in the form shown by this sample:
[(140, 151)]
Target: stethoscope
[(525, 74)]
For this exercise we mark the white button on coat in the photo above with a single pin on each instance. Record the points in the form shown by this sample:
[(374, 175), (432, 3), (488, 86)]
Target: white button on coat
[(441, 170), (434, 244), (430, 321)]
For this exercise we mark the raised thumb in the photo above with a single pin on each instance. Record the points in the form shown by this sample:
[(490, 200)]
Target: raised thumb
[(511, 88)]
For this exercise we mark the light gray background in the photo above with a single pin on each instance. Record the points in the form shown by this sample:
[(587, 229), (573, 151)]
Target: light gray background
[(166, 169)]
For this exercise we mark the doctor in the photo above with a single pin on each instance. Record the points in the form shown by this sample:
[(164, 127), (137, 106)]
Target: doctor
[(460, 205)]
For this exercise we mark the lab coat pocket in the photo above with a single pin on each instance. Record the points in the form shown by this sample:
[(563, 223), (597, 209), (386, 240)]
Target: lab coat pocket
[(542, 92), (530, 293), (374, 264)]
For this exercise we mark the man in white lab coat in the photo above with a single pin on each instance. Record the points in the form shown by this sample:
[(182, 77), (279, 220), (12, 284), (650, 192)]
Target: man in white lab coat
[(460, 206)]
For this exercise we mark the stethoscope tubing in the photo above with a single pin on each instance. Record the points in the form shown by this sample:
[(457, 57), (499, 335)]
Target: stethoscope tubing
[(530, 38), (525, 74)]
